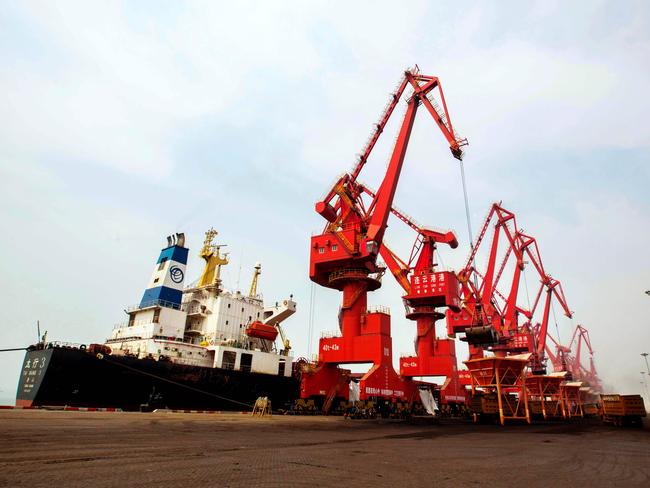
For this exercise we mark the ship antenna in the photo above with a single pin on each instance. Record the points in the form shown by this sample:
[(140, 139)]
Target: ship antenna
[(38, 329)]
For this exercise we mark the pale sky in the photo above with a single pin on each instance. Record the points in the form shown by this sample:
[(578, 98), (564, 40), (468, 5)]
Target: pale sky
[(126, 121)]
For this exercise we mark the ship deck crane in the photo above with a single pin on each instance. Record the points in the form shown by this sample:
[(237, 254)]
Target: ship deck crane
[(344, 256)]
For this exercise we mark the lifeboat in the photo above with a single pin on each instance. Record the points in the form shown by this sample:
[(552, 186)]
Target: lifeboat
[(262, 331)]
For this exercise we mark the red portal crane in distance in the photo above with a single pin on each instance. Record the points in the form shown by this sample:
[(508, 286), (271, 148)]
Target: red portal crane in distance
[(490, 319), (569, 358), (344, 256)]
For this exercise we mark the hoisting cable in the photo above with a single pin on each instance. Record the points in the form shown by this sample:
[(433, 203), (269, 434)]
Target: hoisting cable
[(526, 284), (310, 324), (557, 329), (469, 221), (444, 268)]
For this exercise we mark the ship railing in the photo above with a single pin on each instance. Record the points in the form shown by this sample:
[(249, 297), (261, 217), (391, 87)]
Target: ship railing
[(194, 309), (328, 334), (64, 344), (124, 339), (169, 338), (190, 362), (124, 325), (154, 303)]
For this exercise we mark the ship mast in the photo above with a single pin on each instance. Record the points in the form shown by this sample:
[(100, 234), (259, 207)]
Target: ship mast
[(258, 271), (211, 276)]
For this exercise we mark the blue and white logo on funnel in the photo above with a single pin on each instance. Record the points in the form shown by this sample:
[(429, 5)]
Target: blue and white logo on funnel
[(176, 274)]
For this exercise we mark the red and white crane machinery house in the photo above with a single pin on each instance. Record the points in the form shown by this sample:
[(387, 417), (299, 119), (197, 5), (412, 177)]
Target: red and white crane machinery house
[(344, 257)]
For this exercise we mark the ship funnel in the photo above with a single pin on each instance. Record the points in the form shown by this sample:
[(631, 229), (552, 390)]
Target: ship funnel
[(165, 287)]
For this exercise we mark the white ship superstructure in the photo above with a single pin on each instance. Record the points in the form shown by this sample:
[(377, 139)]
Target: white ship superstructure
[(203, 324)]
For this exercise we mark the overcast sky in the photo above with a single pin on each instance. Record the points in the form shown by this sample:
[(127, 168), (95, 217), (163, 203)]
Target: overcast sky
[(126, 121)]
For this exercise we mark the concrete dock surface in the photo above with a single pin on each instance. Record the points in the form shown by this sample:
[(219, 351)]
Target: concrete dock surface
[(101, 449)]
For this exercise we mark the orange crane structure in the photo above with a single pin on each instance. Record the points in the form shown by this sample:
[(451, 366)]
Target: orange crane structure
[(426, 291), (491, 319), (569, 358), (499, 323), (344, 257)]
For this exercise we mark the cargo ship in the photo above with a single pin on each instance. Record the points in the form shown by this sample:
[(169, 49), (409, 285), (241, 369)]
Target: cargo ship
[(198, 347)]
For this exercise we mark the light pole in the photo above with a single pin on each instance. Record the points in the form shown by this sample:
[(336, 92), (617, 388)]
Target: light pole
[(645, 384), (645, 356)]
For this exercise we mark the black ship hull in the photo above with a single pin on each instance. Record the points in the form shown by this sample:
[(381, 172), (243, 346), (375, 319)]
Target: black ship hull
[(78, 378)]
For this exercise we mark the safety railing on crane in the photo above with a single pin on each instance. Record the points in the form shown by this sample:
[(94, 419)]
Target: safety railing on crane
[(355, 273), (379, 309), (329, 334)]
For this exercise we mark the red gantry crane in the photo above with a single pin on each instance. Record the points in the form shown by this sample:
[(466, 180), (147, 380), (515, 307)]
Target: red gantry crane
[(569, 358), (426, 290), (490, 319), (344, 257)]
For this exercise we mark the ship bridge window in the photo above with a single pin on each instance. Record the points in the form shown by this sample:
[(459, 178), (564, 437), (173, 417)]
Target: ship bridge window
[(156, 316)]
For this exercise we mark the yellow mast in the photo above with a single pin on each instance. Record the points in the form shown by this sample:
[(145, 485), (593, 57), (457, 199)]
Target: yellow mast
[(285, 342), (213, 261), (258, 271)]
